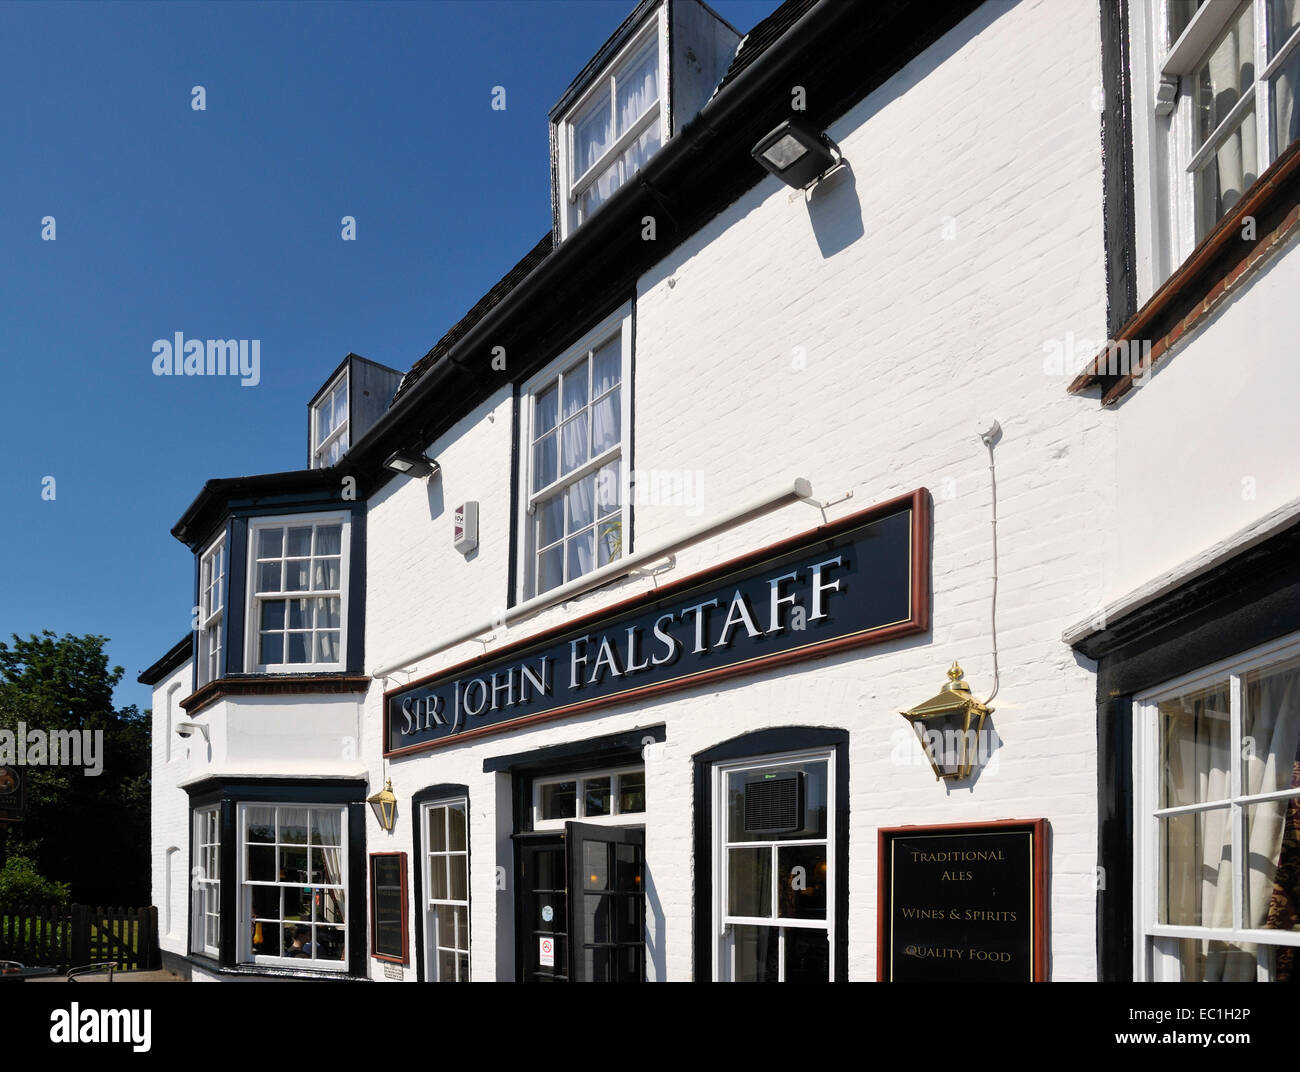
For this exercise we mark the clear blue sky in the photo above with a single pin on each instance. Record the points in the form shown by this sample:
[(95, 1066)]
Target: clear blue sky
[(225, 224)]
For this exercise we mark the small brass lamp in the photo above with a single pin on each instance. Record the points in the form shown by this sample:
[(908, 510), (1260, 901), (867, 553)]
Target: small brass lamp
[(385, 805), (948, 726)]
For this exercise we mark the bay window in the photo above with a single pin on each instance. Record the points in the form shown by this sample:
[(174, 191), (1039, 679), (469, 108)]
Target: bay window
[(297, 603), (1222, 83), (574, 433), (211, 610), (1217, 877), (293, 891)]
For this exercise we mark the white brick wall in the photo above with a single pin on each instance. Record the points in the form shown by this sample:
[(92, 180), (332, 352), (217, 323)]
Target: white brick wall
[(906, 338)]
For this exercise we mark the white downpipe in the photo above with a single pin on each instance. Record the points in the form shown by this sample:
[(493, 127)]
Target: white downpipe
[(790, 491)]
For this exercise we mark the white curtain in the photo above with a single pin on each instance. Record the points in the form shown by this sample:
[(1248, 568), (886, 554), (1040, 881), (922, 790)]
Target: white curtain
[(1231, 69), (638, 89), (329, 824), (1272, 733)]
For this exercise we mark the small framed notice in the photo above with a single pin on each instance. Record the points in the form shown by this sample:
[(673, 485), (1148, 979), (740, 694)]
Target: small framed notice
[(388, 907), (963, 903)]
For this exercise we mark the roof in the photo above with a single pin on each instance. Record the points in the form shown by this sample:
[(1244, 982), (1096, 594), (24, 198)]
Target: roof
[(764, 36), (489, 301), (173, 660)]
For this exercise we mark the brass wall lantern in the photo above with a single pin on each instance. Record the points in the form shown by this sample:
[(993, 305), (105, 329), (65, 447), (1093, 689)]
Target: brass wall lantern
[(948, 726), (384, 804)]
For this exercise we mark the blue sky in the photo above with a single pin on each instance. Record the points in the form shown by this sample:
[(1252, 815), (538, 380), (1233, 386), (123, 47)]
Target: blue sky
[(225, 223)]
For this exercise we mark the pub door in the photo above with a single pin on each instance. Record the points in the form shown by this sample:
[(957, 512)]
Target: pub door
[(582, 905)]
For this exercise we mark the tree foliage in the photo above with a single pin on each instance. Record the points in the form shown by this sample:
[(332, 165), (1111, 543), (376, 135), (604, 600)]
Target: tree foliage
[(91, 832)]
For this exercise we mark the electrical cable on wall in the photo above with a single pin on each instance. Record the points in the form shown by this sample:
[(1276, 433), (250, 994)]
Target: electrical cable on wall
[(990, 437)]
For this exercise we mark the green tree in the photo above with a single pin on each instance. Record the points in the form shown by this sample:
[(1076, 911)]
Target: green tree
[(91, 832)]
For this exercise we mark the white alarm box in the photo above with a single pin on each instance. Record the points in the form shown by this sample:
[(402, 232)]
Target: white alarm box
[(466, 522)]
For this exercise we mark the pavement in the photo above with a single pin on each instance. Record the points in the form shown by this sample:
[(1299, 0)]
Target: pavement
[(118, 977)]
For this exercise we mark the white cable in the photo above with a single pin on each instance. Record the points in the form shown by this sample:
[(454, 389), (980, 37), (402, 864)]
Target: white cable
[(993, 604)]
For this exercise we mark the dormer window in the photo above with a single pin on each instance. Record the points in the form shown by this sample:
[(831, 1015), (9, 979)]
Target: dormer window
[(330, 424), (639, 90), (617, 126)]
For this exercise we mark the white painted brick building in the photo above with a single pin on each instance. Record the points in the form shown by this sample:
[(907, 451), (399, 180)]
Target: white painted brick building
[(859, 336)]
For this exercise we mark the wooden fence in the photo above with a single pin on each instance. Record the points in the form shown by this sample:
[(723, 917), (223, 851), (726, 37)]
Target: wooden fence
[(65, 936)]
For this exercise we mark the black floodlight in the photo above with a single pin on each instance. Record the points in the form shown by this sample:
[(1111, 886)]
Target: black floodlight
[(796, 153), (411, 463)]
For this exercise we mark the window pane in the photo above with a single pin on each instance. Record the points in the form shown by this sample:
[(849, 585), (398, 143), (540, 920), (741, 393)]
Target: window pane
[(1273, 865), (597, 796), (327, 612), (574, 447), (1286, 97), (295, 576), (300, 613), (631, 792), (550, 520), (546, 411), (293, 826), (273, 613), (814, 806), (268, 577), (801, 881), (559, 800), (261, 864), (269, 542), (575, 388), (756, 953), (1226, 175), (606, 366), (749, 882), (591, 134), (438, 878), (544, 459), (456, 828), (1180, 14), (456, 865), (266, 902), (437, 829), (326, 827), (609, 540), (636, 154), (1203, 961), (580, 554), (329, 943), (261, 824), (1270, 726), (299, 646), (298, 541), (606, 423), (609, 487), (329, 540), (550, 569), (1196, 862), (271, 649), (807, 955), (598, 192), (327, 648), (327, 575), (1284, 20), (1194, 745), (580, 501), (1227, 74), (638, 87)]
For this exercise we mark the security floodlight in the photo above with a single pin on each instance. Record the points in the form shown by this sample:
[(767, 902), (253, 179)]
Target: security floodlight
[(797, 153), (411, 463)]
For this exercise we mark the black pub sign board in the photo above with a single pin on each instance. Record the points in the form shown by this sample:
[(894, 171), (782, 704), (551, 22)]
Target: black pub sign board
[(860, 580), (963, 903)]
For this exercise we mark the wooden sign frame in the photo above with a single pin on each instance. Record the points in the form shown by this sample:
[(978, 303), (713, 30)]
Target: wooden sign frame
[(1039, 832)]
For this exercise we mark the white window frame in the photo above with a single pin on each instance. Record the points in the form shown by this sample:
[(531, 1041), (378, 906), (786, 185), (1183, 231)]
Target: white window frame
[(1163, 146), (615, 818), (244, 888), (205, 882), (723, 948), (212, 608), (320, 447), (571, 186), (1153, 959), (619, 323), (434, 943), (253, 598)]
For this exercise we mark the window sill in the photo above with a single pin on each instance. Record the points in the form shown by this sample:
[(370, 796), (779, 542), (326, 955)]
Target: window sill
[(207, 964), (1218, 269), (271, 685)]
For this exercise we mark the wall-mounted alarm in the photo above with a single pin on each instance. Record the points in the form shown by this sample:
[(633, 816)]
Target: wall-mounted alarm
[(466, 522)]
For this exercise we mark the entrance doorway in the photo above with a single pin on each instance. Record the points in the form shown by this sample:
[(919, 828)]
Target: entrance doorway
[(581, 904)]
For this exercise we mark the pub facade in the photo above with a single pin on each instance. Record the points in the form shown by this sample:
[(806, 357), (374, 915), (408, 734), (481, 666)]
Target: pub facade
[(779, 574)]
